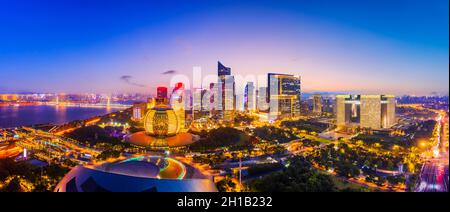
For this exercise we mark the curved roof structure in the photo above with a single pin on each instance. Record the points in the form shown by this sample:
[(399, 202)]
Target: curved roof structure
[(141, 174)]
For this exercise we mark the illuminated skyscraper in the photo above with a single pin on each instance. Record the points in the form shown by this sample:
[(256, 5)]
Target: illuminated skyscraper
[(201, 103), (197, 103), (188, 106), (139, 110), (262, 100), (366, 111), (341, 110), (188, 99), (229, 100), (226, 88), (388, 111), (249, 97), (317, 104), (215, 99), (328, 105), (161, 96), (223, 70), (206, 98), (240, 102), (284, 95), (370, 111), (151, 103), (177, 101), (161, 92)]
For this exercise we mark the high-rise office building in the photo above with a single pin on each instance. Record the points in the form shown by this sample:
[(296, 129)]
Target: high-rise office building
[(151, 103), (206, 104), (317, 104), (306, 106), (188, 100), (327, 105), (215, 99), (226, 85), (388, 118), (178, 104), (188, 106), (223, 70), (262, 100), (342, 117), (229, 100), (161, 92), (139, 110), (201, 103), (284, 95), (197, 103), (366, 111), (161, 96), (249, 97), (240, 102)]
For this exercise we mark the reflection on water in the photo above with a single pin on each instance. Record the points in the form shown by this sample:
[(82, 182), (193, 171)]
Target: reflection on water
[(61, 113), (11, 116)]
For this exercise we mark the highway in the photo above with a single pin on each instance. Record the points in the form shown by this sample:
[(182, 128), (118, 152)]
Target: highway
[(434, 175), (51, 145)]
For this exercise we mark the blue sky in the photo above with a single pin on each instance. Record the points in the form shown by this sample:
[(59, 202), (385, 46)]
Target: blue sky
[(398, 47)]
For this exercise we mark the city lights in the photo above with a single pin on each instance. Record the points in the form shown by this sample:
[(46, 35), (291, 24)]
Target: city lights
[(224, 96)]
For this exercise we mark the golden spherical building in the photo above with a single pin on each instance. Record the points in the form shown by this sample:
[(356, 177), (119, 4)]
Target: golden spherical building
[(163, 126), (161, 122)]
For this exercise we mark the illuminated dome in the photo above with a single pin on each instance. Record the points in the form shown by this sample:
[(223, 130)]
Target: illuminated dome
[(161, 122)]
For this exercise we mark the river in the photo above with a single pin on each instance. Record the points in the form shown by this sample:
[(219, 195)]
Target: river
[(15, 116)]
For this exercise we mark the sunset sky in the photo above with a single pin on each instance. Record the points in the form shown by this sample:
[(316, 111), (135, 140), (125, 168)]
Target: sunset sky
[(373, 46)]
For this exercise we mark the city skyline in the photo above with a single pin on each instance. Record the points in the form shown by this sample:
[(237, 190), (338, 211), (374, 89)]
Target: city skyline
[(75, 47), (220, 96)]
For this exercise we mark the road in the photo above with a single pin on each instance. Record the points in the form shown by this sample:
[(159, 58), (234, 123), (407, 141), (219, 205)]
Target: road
[(50, 145), (434, 176)]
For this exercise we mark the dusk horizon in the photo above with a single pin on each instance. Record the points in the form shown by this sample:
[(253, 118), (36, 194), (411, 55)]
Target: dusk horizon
[(396, 47)]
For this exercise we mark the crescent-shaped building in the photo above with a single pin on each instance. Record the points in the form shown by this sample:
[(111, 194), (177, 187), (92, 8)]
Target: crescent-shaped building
[(139, 174)]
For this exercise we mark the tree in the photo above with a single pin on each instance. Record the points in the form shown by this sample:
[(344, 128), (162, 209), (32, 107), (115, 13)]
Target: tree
[(299, 176), (222, 137), (395, 180), (12, 186), (108, 154), (226, 185), (412, 180), (381, 181), (93, 135), (8, 167), (24, 177), (390, 165), (347, 170), (17, 184)]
